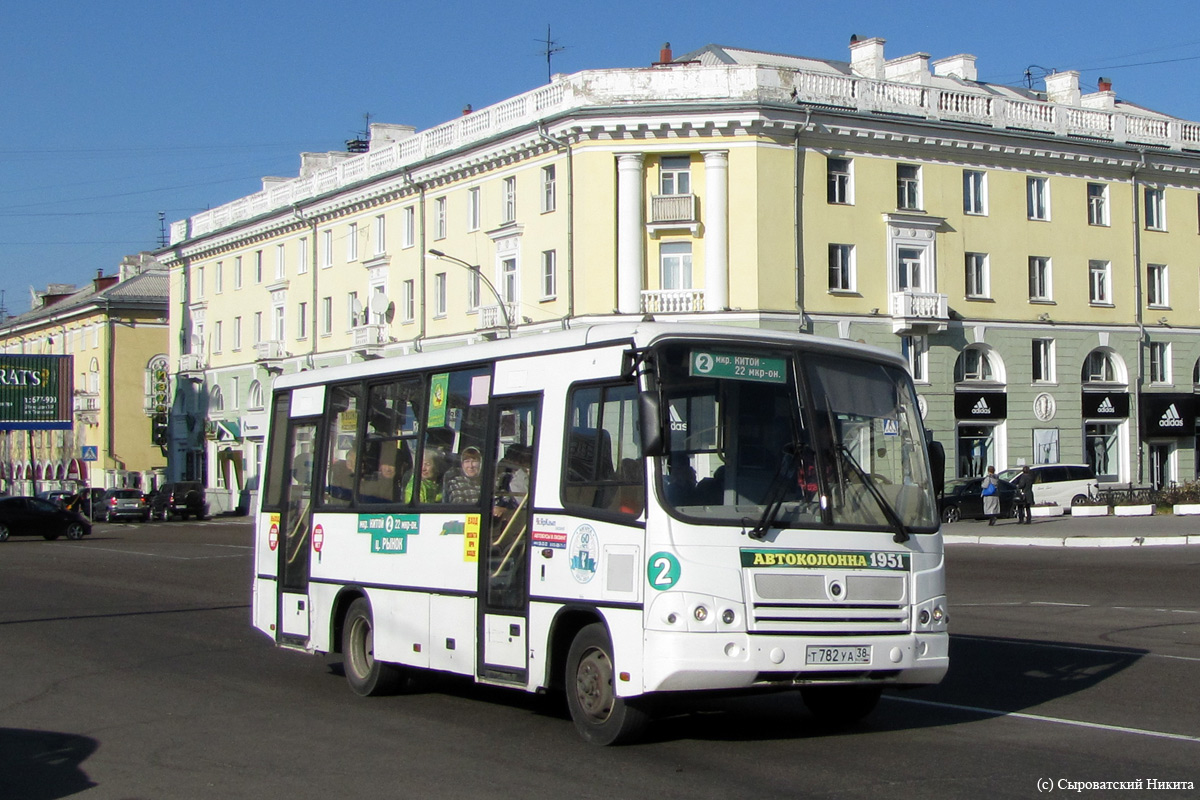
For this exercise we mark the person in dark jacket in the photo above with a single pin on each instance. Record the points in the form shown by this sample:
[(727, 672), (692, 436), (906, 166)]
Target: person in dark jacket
[(1024, 499)]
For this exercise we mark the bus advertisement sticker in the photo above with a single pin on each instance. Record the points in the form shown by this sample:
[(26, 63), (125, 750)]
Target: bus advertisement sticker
[(662, 570), (585, 550), (471, 538)]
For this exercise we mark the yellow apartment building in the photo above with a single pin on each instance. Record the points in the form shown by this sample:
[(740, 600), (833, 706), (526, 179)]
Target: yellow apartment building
[(114, 331), (1032, 252)]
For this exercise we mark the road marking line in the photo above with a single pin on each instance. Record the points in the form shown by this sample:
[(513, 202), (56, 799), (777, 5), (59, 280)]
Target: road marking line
[(1048, 603), (992, 712), (1128, 651), (158, 555)]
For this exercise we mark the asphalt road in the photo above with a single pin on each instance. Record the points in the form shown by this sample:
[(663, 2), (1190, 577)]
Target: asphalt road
[(130, 670)]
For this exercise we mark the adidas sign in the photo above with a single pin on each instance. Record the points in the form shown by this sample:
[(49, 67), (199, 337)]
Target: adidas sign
[(981, 408), (1171, 418), (1106, 407)]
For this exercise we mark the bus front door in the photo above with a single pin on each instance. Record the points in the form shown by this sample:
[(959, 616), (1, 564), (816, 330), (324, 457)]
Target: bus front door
[(295, 529), (504, 568)]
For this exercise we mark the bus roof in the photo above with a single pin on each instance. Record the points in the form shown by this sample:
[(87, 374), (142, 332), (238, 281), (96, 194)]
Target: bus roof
[(637, 334)]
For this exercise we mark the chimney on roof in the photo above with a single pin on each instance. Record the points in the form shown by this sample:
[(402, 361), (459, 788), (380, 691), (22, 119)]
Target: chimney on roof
[(1104, 85), (961, 66), (1063, 88), (664, 55), (866, 57)]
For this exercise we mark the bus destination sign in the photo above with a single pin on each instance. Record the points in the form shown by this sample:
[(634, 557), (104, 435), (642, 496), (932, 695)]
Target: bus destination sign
[(738, 367)]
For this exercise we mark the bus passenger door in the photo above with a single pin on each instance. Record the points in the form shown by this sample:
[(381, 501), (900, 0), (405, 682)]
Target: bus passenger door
[(504, 568), (295, 529)]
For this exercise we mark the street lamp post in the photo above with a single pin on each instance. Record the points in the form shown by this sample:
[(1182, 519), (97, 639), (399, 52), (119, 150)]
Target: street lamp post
[(478, 272)]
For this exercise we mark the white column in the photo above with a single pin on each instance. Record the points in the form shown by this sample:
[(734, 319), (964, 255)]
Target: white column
[(716, 230), (630, 233)]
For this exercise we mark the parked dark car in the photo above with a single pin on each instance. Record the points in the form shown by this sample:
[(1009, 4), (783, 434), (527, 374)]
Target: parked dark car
[(89, 502), (183, 499), (962, 499), (124, 504), (33, 516)]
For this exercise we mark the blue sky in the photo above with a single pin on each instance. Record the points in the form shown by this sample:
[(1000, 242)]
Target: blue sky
[(112, 112)]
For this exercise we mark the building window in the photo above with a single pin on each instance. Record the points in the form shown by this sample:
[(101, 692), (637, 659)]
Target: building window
[(258, 266), (508, 280), (302, 256), (549, 274), (235, 393), (237, 333), (973, 364), (1037, 198), (258, 328), (675, 265), (1040, 286), (439, 294), (1156, 209), (326, 316), (840, 182), (237, 272), (974, 191), (841, 268), (280, 264), (1156, 286), (278, 330), (473, 287), (1097, 196), (473, 209), (1043, 361), (978, 283), (380, 235), (508, 211), (439, 218), (352, 242), (326, 249), (916, 350), (1160, 362), (302, 321), (549, 190), (410, 301), (353, 309), (1100, 282), (676, 175), (409, 237), (1102, 441), (908, 187), (199, 284), (976, 449), (218, 330), (1099, 367), (218, 277)]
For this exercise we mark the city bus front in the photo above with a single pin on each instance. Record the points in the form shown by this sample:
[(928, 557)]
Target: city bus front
[(796, 539)]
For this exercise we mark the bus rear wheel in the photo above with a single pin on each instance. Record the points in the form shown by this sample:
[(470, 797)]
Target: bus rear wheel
[(366, 676), (839, 706), (600, 716)]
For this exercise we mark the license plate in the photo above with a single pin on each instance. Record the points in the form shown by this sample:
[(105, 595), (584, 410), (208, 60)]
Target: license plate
[(837, 654)]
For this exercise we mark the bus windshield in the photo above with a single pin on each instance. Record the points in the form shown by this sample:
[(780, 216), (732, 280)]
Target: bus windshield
[(779, 438)]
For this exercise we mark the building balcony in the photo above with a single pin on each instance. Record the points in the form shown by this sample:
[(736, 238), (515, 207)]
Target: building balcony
[(369, 340), (86, 401), (673, 211), (919, 312), (492, 317), (672, 301), (191, 362), (268, 353)]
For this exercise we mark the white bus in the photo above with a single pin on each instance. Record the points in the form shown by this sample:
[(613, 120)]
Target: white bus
[(617, 512)]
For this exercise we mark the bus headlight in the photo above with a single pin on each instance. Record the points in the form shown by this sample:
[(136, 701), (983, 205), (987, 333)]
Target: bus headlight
[(727, 616), (931, 615), (701, 613)]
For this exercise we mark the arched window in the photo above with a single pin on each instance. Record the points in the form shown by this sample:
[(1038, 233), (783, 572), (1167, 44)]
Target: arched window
[(254, 399), (1102, 365), (978, 364), (216, 400), (93, 378)]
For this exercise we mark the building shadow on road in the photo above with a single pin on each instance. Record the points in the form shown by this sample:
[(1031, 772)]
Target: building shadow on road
[(43, 765)]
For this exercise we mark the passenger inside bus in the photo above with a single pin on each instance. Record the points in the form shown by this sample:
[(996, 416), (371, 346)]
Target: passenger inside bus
[(428, 488), (341, 479), (383, 485), (462, 484)]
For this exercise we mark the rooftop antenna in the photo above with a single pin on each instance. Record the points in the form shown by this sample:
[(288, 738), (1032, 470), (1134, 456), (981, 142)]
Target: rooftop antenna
[(552, 47), (362, 142), (163, 241), (1029, 74)]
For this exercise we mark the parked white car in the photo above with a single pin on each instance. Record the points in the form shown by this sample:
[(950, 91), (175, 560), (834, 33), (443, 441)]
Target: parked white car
[(1061, 484)]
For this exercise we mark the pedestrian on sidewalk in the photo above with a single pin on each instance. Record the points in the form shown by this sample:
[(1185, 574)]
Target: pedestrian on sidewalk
[(1024, 484), (991, 500)]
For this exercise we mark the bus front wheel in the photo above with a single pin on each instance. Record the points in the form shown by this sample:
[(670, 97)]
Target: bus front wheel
[(366, 676), (838, 706), (600, 716)]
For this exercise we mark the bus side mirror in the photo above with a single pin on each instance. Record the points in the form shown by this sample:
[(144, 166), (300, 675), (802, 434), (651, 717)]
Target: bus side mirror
[(650, 415), (937, 464)]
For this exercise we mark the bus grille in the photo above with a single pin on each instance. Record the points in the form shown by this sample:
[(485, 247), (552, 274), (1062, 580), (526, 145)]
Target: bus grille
[(801, 605)]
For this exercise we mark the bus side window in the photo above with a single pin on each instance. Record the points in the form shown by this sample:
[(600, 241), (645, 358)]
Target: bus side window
[(603, 465), (341, 466)]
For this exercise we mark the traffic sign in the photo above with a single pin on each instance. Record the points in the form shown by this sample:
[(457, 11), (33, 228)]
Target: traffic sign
[(90, 452)]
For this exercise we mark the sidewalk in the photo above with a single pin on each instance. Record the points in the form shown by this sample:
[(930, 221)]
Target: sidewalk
[(1110, 531)]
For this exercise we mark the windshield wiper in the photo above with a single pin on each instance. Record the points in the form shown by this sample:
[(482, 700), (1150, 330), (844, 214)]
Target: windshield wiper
[(775, 493), (893, 518)]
